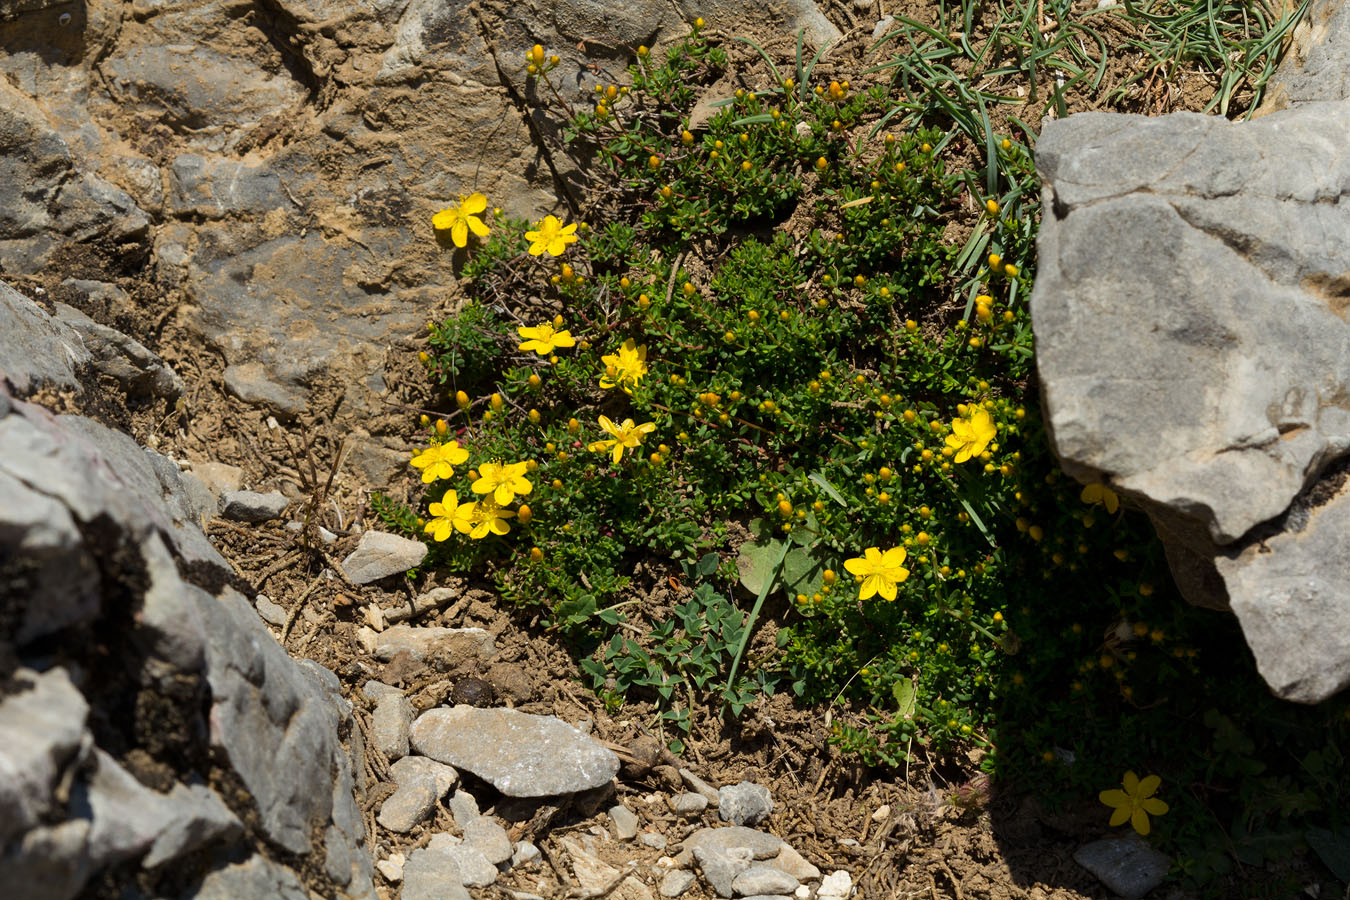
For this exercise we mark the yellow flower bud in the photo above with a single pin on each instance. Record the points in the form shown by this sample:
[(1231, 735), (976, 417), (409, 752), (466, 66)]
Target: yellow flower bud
[(524, 514), (536, 555), (496, 402)]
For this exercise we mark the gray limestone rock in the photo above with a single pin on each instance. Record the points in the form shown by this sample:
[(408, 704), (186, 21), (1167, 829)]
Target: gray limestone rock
[(1193, 366), (431, 873), (463, 808), (380, 555), (796, 865), (763, 880), (271, 613), (523, 853), (676, 882), (197, 817), (390, 725), (1316, 65), (256, 878), (720, 868), (700, 787), (1128, 866), (250, 506), (625, 822), (413, 768), (37, 349), (450, 645), (744, 804), (489, 838), (652, 839), (688, 805), (519, 754), (139, 372), (41, 738), (732, 837), (414, 799), (474, 868)]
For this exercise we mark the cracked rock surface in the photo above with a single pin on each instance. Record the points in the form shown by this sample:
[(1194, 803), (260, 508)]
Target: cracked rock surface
[(1192, 316)]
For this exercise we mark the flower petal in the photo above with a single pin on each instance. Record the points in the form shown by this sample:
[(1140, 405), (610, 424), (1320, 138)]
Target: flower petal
[(1154, 807), (459, 233), (1116, 798), (477, 227), (1139, 821), (1120, 816), (473, 204), (1131, 783), (1148, 786), (894, 557)]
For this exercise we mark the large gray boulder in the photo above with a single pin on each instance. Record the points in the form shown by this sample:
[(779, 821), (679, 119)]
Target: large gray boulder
[(1193, 338)]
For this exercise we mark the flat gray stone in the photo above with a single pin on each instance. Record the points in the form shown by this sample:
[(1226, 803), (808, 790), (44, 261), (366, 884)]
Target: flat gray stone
[(138, 371), (379, 555), (763, 880), (796, 865), (744, 804), (257, 878), (412, 768), (37, 349), (1316, 64), (250, 506), (689, 805), (464, 808), (390, 724), (271, 613), (452, 646), (519, 754), (432, 874), (720, 868), (700, 787), (731, 837), (625, 822), (676, 882), (41, 731), (1192, 367), (523, 853), (197, 818), (411, 802), (474, 868), (1128, 866), (652, 839), (488, 838)]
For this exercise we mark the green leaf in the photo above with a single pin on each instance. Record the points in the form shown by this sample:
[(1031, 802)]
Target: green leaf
[(906, 697), (757, 563), (830, 490), (1333, 848), (707, 564)]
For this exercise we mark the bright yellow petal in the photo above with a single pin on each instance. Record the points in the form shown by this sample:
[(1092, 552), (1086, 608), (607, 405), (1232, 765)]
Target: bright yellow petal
[(476, 226), (598, 446), (567, 230), (894, 557), (444, 219), (965, 453), (1154, 807), (459, 233), (1139, 821), (503, 494), (869, 587), (1148, 786), (618, 452), (856, 566), (473, 204), (1120, 816), (1131, 782), (1115, 798), (901, 574), (1110, 499), (563, 339), (886, 588)]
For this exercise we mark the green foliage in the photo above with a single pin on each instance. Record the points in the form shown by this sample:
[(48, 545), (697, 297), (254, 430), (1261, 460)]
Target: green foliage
[(831, 344)]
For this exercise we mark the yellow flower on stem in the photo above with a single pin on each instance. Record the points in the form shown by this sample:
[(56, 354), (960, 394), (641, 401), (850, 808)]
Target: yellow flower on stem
[(880, 572), (552, 237), (625, 436), (971, 436), (439, 460), (1136, 803), (460, 220), (626, 367), (443, 515), (1099, 494), (502, 481), (480, 519), (544, 339)]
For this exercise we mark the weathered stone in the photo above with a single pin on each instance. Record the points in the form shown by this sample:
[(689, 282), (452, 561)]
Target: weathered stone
[(796, 865), (474, 868), (219, 478), (592, 873), (523, 853), (254, 879), (744, 804), (463, 808), (488, 838), (197, 817), (726, 838), (838, 885), (432, 874), (391, 867), (763, 880), (413, 768), (676, 882), (625, 822), (1127, 866), (414, 799), (390, 724), (450, 645), (1316, 64), (250, 506), (380, 555), (41, 732), (721, 867), (652, 839), (37, 349), (1194, 367), (519, 754), (217, 187), (701, 787), (138, 371), (271, 613), (688, 805)]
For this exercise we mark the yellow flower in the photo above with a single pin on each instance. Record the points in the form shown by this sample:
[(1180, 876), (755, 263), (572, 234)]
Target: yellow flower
[(502, 481), (480, 519), (552, 237), (443, 513), (971, 436), (625, 435), (625, 367), (1097, 493), (460, 220), (544, 339), (439, 460), (880, 572), (1136, 803)]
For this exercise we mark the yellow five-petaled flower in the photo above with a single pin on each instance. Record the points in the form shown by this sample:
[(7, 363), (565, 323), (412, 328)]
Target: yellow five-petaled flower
[(502, 481), (443, 519), (1096, 493), (971, 436), (544, 339), (625, 435), (439, 460), (625, 367), (460, 220), (480, 519), (552, 237), (1136, 803), (880, 572)]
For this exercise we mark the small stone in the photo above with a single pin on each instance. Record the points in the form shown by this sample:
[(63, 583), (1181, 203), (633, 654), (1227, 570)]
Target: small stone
[(688, 805), (802, 892), (763, 880), (269, 612), (487, 837), (701, 787), (720, 868), (431, 874), (380, 555), (591, 872), (745, 803), (390, 725), (1128, 866), (474, 868), (837, 885), (377, 690), (793, 863), (249, 506), (449, 646), (219, 478), (408, 805), (472, 692), (653, 840), (625, 822), (882, 814), (464, 808), (519, 754), (391, 868), (411, 768), (676, 883), (524, 853), (324, 534), (759, 844)]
